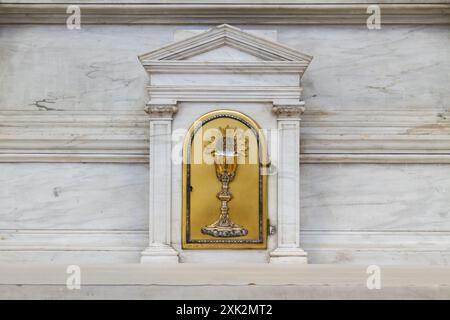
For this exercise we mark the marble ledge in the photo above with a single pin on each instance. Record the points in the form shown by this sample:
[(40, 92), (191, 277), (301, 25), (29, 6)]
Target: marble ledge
[(343, 12), (304, 158)]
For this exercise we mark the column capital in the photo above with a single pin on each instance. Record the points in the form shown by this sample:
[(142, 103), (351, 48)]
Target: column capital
[(161, 110), (288, 110)]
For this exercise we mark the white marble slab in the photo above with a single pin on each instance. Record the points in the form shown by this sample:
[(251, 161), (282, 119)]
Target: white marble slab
[(375, 197), (394, 67), (73, 196), (390, 214)]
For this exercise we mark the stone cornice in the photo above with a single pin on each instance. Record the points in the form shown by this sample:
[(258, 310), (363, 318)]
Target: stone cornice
[(193, 67), (234, 13)]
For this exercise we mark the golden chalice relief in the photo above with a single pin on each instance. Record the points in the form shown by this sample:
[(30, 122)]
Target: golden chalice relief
[(224, 183), (225, 151)]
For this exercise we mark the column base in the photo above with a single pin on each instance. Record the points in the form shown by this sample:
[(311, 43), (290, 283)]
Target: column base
[(288, 255), (159, 254)]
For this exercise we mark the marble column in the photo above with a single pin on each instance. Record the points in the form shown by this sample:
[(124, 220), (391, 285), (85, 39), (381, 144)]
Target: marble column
[(288, 223), (159, 248)]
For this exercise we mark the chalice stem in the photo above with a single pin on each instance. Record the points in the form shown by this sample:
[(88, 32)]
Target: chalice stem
[(224, 195), (224, 227)]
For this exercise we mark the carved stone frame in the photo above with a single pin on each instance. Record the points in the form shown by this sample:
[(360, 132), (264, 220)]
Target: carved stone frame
[(273, 58)]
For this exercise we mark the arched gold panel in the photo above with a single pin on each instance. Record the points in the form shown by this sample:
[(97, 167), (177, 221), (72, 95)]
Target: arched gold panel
[(211, 220)]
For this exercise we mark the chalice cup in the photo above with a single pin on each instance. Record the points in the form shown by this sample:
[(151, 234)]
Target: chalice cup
[(225, 164)]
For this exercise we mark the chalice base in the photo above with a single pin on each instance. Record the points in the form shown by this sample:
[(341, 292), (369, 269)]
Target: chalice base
[(225, 232)]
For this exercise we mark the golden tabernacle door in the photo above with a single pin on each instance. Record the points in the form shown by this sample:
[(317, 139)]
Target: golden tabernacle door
[(224, 183)]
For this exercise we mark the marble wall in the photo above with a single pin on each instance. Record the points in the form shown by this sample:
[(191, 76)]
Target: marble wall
[(350, 213), (82, 92), (96, 68), (374, 213), (73, 212)]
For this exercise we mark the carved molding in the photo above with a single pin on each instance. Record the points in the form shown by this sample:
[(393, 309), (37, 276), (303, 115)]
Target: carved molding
[(341, 12), (381, 158), (328, 136), (305, 158)]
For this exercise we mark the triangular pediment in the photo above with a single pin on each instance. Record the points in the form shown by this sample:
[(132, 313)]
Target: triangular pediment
[(226, 54), (231, 43)]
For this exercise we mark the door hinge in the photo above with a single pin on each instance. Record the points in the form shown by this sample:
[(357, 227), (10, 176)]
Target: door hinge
[(271, 230)]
